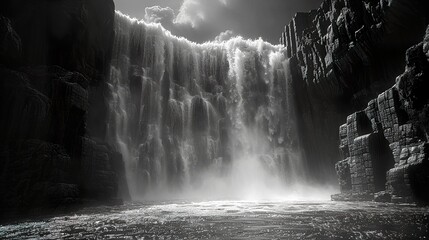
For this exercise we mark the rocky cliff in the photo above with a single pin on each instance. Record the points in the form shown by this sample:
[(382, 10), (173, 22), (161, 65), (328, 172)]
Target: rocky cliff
[(54, 56), (343, 55), (384, 147)]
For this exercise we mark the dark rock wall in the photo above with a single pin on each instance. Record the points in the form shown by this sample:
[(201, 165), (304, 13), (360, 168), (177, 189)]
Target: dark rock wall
[(391, 156), (344, 54), (54, 58), (76, 35)]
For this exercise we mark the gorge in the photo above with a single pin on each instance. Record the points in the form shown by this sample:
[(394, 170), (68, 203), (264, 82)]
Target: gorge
[(101, 109)]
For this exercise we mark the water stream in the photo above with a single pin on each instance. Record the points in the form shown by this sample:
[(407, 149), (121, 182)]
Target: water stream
[(213, 119)]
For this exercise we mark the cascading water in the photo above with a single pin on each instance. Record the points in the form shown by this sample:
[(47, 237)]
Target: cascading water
[(201, 120)]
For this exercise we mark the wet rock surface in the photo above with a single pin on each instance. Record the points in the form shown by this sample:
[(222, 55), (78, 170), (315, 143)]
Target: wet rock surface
[(232, 220), (76, 35), (53, 60), (346, 53), (47, 158), (398, 161)]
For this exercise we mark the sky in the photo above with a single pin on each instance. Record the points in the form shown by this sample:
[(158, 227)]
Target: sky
[(207, 20)]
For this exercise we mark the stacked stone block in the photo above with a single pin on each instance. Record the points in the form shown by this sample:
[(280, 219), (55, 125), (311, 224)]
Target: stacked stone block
[(360, 145), (343, 55), (389, 112), (361, 165), (373, 115), (343, 167), (357, 125), (393, 123), (344, 144), (408, 182)]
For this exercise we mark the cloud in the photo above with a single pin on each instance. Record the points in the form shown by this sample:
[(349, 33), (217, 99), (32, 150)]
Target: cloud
[(225, 36), (197, 20), (195, 12), (203, 20), (157, 14)]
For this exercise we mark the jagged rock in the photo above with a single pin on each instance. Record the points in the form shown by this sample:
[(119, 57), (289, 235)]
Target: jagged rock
[(343, 55), (399, 115), (412, 87), (372, 113), (408, 180), (358, 124), (390, 114)]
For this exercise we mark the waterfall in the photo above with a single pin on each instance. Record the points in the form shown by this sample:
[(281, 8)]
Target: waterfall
[(213, 119)]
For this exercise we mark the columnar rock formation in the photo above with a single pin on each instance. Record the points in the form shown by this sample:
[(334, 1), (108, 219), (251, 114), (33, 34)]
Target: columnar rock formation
[(385, 147), (54, 56), (342, 55)]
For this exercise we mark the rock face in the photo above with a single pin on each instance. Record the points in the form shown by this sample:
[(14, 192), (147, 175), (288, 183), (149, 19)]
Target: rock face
[(392, 155), (54, 56), (343, 55)]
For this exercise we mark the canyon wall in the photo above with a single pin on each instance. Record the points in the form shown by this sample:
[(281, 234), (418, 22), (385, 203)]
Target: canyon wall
[(343, 55), (384, 147), (54, 56), (62, 122)]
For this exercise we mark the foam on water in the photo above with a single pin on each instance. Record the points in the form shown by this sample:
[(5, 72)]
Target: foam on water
[(231, 220)]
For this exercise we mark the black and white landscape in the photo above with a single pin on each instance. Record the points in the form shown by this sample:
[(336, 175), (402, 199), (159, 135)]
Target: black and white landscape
[(214, 119)]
